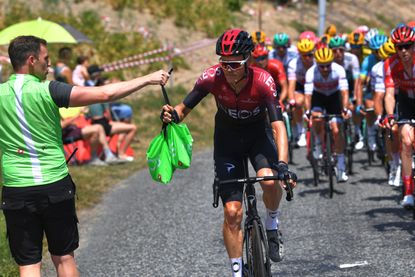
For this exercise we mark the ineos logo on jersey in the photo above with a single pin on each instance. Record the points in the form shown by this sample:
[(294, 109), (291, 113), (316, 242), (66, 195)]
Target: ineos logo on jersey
[(241, 114), (210, 73), (229, 167), (268, 80)]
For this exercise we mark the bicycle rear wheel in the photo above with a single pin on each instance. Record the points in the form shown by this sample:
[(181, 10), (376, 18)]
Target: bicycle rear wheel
[(257, 251), (313, 160)]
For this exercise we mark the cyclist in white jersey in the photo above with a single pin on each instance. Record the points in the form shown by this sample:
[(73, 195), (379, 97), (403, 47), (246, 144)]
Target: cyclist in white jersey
[(326, 90), (283, 50), (297, 69), (378, 86)]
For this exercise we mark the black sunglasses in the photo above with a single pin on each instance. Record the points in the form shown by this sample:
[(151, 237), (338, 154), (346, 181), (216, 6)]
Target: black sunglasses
[(324, 66), (404, 46), (309, 55), (261, 58)]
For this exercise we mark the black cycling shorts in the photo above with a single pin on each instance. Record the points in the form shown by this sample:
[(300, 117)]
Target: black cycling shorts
[(299, 88), (105, 123), (332, 104), (405, 106), (232, 146), (32, 211)]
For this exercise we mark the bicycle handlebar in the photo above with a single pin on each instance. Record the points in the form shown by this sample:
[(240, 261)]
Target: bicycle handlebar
[(250, 180)]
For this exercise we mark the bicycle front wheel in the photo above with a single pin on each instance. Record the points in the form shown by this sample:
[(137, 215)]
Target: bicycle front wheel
[(329, 162), (256, 252)]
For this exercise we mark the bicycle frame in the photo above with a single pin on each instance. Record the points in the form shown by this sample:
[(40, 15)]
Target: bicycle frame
[(252, 222)]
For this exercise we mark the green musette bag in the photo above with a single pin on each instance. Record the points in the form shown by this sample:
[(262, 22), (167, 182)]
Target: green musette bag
[(180, 143), (159, 159)]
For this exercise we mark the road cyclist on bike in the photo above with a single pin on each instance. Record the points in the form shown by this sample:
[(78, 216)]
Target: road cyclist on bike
[(378, 87), (364, 95), (296, 71), (400, 89), (326, 90), (283, 50), (275, 68), (248, 123)]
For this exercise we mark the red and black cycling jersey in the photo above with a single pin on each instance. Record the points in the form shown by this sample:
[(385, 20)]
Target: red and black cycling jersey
[(397, 78), (257, 97)]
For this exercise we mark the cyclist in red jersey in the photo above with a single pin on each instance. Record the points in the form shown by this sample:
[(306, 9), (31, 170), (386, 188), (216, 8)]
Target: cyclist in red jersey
[(248, 123), (400, 89), (275, 68)]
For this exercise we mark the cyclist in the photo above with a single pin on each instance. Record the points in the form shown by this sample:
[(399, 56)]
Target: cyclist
[(364, 90), (400, 87), (356, 41), (258, 37), (283, 50), (350, 63), (38, 192), (275, 68), (378, 86), (297, 69), (331, 30), (309, 35), (326, 89), (244, 96)]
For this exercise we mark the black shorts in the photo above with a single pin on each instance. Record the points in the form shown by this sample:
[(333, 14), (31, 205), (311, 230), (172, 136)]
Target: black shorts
[(105, 123), (299, 88), (405, 106), (331, 104), (232, 146), (32, 211)]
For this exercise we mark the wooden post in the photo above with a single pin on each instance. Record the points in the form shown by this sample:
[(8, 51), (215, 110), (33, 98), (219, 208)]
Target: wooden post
[(260, 15)]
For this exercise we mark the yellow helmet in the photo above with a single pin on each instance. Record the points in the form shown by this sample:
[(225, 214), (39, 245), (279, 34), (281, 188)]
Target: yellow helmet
[(356, 38), (258, 37), (331, 30), (387, 49), (305, 45), (324, 55)]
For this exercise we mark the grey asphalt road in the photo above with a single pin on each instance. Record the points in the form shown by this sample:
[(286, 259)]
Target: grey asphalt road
[(146, 229)]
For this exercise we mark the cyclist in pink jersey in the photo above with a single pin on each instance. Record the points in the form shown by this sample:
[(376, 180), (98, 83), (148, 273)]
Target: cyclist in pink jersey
[(248, 123), (400, 89)]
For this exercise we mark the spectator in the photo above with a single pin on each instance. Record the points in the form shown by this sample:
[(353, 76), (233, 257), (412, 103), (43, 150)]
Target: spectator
[(63, 73), (101, 114), (95, 77), (38, 192), (80, 74), (94, 133)]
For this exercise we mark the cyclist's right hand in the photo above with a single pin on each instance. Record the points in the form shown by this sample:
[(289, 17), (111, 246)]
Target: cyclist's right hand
[(169, 114), (388, 121)]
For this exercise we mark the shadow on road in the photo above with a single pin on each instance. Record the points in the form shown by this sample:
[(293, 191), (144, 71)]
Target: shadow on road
[(324, 192)]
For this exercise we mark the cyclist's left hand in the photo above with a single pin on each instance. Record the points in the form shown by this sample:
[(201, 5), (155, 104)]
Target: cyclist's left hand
[(286, 175)]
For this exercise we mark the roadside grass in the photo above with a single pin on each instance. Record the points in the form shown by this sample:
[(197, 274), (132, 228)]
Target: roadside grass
[(93, 182)]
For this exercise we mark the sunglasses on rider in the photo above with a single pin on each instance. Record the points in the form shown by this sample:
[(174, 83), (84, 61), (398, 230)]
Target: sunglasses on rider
[(308, 55), (261, 58), (324, 66), (232, 65), (356, 46), (404, 46)]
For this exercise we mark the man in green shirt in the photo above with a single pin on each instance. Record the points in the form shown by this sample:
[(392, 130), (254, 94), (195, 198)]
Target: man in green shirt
[(38, 192)]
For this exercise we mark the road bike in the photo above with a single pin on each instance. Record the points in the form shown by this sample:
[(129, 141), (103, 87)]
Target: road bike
[(327, 163), (256, 257), (287, 117)]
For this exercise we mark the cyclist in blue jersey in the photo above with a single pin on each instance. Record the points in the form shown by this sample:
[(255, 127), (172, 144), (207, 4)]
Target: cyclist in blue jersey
[(364, 90)]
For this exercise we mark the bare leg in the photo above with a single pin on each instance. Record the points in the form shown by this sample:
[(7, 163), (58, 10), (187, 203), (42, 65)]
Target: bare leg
[(65, 265)]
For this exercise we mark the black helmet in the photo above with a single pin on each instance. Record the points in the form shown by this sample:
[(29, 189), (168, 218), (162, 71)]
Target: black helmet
[(234, 42)]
